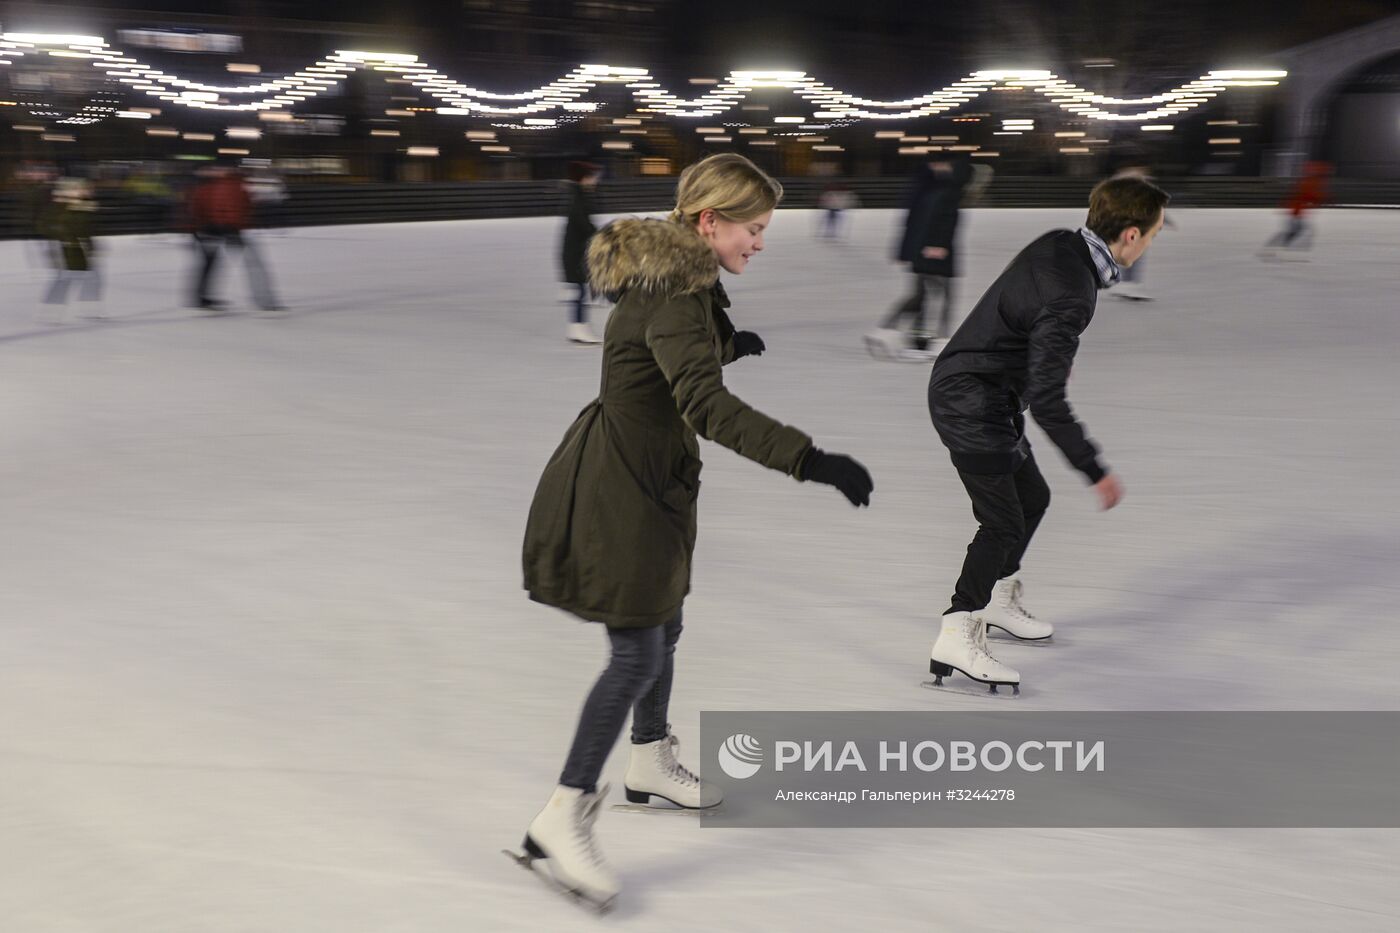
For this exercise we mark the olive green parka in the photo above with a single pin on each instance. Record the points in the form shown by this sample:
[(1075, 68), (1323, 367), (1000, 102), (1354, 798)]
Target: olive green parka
[(612, 526), (69, 226)]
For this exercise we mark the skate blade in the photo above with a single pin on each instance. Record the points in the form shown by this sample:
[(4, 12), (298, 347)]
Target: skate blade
[(644, 808), (527, 862), (877, 348), (523, 859), (917, 356), (997, 633), (975, 688)]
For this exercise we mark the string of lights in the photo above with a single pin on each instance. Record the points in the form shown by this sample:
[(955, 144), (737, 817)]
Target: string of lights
[(564, 94)]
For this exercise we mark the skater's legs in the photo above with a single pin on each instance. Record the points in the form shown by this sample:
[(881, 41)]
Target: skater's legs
[(1000, 533), (1289, 233), (208, 244), (649, 713), (944, 285), (92, 283), (1294, 230), (57, 293), (912, 306), (917, 328), (1304, 234), (636, 661), (1034, 495), (581, 304), (259, 279)]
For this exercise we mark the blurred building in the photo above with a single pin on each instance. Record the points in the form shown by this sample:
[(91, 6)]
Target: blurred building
[(1342, 103)]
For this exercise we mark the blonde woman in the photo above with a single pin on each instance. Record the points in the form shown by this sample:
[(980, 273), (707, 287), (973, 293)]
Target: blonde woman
[(612, 526)]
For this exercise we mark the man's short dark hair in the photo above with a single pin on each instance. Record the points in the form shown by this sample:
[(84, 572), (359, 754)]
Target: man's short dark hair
[(1120, 203)]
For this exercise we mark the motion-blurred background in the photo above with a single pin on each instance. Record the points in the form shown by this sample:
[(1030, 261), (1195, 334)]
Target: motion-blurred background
[(467, 108)]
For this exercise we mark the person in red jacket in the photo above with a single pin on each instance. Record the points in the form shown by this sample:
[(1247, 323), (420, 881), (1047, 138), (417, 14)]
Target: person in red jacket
[(220, 210), (1309, 192)]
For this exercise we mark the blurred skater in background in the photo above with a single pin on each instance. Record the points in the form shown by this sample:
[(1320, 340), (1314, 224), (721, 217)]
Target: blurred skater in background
[(929, 247), (578, 231), (1130, 283), (836, 198), (34, 182), (1309, 192), (220, 211), (68, 222)]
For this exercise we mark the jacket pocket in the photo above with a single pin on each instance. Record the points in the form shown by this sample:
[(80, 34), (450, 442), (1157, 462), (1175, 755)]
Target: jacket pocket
[(964, 395), (1002, 402), (683, 485)]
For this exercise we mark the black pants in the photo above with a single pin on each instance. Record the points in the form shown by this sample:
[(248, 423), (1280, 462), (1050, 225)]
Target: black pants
[(638, 676), (913, 307), (211, 241), (580, 304), (831, 223), (1008, 508), (1295, 228)]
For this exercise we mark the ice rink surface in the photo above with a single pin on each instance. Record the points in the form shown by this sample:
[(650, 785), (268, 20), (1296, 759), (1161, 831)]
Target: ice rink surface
[(267, 665)]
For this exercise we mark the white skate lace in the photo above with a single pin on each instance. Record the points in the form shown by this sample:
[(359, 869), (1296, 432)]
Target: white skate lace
[(678, 772), (589, 806), (978, 637), (1013, 601)]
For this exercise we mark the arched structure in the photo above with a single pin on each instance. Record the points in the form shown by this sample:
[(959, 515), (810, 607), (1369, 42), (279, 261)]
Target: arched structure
[(1317, 72)]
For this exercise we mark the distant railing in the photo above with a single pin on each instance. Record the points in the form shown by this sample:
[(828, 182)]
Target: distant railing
[(325, 204)]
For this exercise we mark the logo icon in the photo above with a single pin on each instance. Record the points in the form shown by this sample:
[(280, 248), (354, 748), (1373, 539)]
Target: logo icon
[(741, 756)]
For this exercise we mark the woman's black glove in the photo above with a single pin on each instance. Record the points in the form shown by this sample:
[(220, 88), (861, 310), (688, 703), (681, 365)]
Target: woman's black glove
[(840, 471), (747, 343)]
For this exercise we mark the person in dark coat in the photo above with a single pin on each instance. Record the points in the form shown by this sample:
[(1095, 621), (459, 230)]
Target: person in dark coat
[(1012, 353), (929, 247), (578, 230), (612, 526)]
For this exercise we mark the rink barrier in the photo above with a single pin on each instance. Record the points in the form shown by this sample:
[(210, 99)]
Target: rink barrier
[(328, 204)]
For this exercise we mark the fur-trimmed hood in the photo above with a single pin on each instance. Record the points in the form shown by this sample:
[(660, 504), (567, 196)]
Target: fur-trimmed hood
[(658, 255)]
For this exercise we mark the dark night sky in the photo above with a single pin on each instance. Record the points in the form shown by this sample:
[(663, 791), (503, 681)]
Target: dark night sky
[(1275, 23)]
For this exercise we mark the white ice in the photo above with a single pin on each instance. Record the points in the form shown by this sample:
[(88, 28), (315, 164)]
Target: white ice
[(267, 665)]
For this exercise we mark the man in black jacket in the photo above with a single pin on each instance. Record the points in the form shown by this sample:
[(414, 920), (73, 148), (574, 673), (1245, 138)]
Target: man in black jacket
[(1014, 352)]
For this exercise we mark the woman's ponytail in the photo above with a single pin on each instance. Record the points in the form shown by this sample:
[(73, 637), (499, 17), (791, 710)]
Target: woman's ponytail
[(728, 184)]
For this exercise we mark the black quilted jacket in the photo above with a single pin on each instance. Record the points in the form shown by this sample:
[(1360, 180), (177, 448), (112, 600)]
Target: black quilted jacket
[(1014, 352)]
